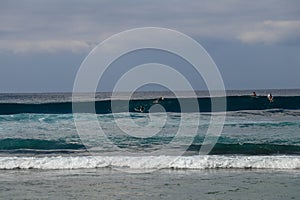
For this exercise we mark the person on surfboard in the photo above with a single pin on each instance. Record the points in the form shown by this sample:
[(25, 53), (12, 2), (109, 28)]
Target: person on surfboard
[(140, 109), (270, 97), (158, 100)]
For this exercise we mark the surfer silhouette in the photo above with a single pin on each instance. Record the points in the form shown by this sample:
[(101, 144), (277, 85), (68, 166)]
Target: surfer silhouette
[(270, 97), (158, 100), (254, 94), (140, 109)]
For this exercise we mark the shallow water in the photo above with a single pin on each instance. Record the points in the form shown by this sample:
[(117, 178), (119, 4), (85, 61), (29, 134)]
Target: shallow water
[(162, 184)]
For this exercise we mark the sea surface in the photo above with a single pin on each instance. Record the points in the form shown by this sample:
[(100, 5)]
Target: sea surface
[(138, 154)]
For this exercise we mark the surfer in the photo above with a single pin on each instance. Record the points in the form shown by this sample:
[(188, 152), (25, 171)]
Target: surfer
[(158, 100), (270, 97), (254, 94), (140, 109)]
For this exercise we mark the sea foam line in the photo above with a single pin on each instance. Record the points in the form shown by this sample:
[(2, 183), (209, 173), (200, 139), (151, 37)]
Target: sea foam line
[(152, 162)]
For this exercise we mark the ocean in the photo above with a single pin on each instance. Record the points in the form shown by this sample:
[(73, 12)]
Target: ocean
[(140, 155)]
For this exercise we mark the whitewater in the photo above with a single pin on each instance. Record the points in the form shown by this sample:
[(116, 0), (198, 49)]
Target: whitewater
[(140, 155), (157, 162), (37, 131)]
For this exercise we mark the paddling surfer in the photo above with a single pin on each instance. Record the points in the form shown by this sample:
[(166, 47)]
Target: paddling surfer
[(140, 109)]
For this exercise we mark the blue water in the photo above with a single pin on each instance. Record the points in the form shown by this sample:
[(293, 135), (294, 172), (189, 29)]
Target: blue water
[(38, 131), (42, 154), (172, 104)]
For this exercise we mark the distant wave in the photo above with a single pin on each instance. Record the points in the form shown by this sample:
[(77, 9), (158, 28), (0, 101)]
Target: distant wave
[(19, 145), (234, 103), (151, 162), (251, 149), (9, 144)]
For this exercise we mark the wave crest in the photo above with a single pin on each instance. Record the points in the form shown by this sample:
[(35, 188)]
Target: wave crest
[(160, 162), (234, 103)]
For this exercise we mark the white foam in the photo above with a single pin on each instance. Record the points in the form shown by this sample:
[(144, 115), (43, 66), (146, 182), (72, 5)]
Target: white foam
[(152, 162)]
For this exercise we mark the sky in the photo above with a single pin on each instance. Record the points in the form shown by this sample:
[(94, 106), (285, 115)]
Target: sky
[(255, 44)]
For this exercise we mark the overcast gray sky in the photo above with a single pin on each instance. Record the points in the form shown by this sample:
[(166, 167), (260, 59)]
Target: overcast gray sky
[(255, 44)]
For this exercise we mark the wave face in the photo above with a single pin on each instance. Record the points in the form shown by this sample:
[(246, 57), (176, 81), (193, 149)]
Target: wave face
[(250, 149), (234, 103), (161, 162), (37, 144)]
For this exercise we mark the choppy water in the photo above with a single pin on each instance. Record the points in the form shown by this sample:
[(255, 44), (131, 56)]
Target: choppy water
[(38, 133), (33, 129)]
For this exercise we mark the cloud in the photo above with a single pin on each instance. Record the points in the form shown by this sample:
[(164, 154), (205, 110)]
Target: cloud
[(50, 46), (63, 25), (271, 32)]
